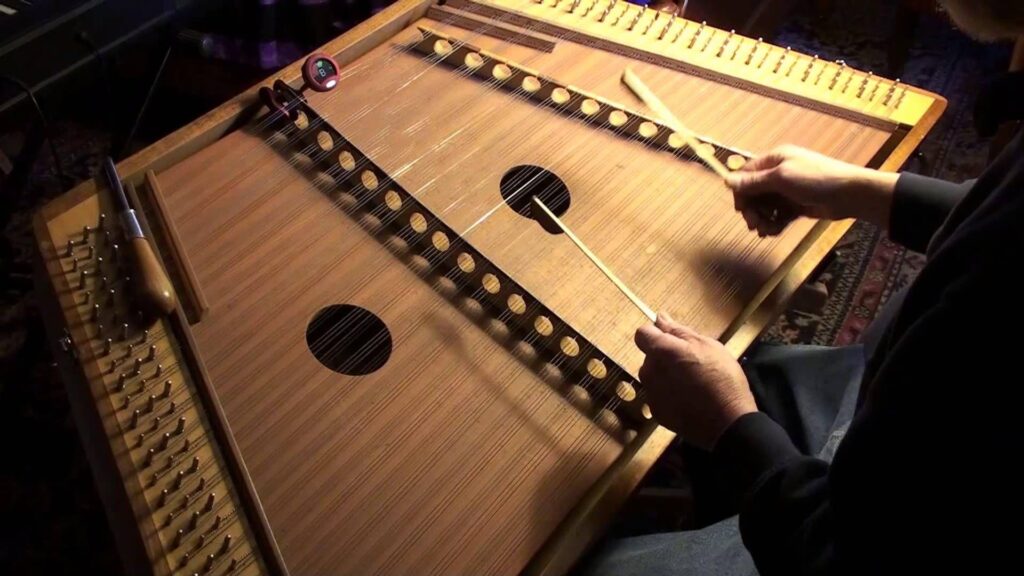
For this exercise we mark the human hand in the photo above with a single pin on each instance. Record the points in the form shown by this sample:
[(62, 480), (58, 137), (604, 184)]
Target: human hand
[(805, 183), (694, 385)]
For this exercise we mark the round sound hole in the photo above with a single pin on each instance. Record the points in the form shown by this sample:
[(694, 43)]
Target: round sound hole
[(521, 183), (349, 339)]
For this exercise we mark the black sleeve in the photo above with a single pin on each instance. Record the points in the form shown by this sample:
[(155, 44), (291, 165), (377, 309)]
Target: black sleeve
[(919, 207), (920, 481)]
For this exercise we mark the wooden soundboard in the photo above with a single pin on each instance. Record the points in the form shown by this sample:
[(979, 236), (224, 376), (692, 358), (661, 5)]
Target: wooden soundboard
[(382, 365)]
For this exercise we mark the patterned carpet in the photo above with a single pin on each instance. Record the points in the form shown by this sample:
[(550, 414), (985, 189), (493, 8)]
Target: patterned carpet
[(51, 521)]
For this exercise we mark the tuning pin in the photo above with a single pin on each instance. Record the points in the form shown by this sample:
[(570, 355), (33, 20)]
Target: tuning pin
[(181, 426), (115, 254), (835, 79), (70, 251), (891, 92), (74, 264), (846, 85), (137, 367), (209, 502), (145, 336), (110, 294), (711, 38), (149, 458), (671, 21), (232, 565), (167, 390), (186, 445), (201, 542), (195, 465), (102, 224), (156, 424), (184, 559), (193, 522), (202, 484), (82, 275), (171, 407), (170, 461), (178, 478), (140, 440), (124, 332), (225, 546), (639, 15), (95, 315), (903, 94), (681, 30), (864, 84), (152, 353), (607, 11), (86, 230), (159, 370), (164, 440), (874, 91), (575, 5), (778, 65), (589, 8), (89, 252), (177, 541), (107, 345), (753, 51), (106, 237), (162, 500), (216, 523), (127, 402), (700, 30), (135, 420), (209, 563), (113, 364), (807, 72), (721, 49)]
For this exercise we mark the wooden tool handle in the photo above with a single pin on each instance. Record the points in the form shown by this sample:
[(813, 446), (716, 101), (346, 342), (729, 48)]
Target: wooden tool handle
[(154, 289)]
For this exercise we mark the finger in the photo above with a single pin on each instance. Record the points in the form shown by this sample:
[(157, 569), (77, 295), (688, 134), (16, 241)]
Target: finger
[(766, 161), (670, 326)]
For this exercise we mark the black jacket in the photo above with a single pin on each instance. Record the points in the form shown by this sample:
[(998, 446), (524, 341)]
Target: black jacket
[(926, 480)]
